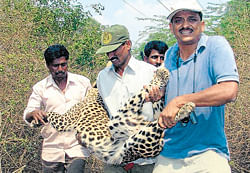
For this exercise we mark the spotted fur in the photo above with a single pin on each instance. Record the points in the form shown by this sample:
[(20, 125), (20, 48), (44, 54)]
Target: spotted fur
[(123, 138)]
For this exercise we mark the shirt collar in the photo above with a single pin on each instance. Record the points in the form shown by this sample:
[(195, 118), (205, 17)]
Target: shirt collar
[(131, 65), (200, 48), (51, 82), (71, 78), (202, 43)]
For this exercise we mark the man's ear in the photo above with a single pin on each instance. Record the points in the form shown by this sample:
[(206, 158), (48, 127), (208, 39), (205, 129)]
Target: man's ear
[(202, 26), (145, 58), (128, 44), (171, 27), (46, 65)]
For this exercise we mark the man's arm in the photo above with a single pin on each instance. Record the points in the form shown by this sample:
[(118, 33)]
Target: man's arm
[(33, 110), (216, 95), (37, 115)]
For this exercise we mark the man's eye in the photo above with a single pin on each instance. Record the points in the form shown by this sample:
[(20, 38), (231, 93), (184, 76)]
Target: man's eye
[(154, 57), (177, 21), (55, 65), (63, 64), (193, 20)]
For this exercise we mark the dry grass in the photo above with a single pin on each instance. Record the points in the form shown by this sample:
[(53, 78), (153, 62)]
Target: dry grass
[(237, 114), (21, 66), (20, 145)]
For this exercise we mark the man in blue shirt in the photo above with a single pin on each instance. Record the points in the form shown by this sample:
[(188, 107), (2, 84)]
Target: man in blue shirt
[(203, 71)]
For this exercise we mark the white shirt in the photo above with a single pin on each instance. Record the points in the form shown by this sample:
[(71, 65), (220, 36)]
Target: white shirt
[(116, 90), (46, 95)]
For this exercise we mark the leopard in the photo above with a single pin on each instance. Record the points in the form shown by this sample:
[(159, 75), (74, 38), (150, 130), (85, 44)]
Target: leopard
[(122, 138)]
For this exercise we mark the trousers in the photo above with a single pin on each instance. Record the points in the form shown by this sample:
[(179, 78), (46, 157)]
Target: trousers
[(134, 169), (207, 162), (71, 165)]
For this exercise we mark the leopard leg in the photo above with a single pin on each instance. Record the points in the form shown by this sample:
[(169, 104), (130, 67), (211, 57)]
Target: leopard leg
[(185, 111)]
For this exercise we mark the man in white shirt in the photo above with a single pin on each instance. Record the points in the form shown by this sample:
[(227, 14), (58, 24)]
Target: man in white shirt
[(58, 93), (120, 81)]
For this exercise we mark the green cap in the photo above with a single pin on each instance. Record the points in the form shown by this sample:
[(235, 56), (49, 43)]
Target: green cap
[(112, 38)]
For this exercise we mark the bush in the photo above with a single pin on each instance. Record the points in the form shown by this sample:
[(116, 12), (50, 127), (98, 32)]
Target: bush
[(26, 30)]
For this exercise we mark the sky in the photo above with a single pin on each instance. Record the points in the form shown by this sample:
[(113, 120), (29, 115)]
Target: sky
[(125, 12)]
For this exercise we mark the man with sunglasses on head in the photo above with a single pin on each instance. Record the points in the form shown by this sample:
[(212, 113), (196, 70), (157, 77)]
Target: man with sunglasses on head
[(123, 79), (58, 92), (154, 52), (203, 71)]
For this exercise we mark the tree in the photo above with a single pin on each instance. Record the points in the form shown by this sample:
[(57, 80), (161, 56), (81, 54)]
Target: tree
[(235, 25), (28, 27), (158, 31)]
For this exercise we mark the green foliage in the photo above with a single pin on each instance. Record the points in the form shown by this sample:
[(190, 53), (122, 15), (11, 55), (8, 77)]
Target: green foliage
[(73, 27), (235, 23), (27, 28), (158, 31), (235, 26)]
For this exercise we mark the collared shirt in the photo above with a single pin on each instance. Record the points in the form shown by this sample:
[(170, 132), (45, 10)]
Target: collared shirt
[(116, 90), (47, 95), (214, 63)]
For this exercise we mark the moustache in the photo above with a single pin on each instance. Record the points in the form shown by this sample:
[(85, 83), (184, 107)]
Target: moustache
[(185, 29), (113, 58), (60, 72), (158, 65)]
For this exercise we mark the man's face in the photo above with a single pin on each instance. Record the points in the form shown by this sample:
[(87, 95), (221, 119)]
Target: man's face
[(120, 56), (58, 68), (155, 58), (187, 27)]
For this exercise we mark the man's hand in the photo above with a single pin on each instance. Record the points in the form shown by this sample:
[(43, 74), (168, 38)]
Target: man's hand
[(154, 94), (167, 116), (37, 116)]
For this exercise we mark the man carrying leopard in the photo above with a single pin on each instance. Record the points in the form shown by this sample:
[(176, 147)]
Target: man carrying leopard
[(122, 80), (202, 70), (58, 92)]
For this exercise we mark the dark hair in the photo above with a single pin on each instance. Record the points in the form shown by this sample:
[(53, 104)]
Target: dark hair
[(55, 51), (160, 46), (199, 13)]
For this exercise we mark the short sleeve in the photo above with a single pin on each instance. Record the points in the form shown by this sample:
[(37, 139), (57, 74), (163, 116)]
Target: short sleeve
[(223, 65), (34, 102)]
